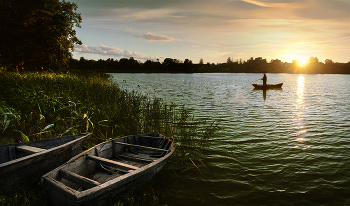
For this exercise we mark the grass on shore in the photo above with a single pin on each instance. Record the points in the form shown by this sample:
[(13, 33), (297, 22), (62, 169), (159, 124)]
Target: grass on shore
[(35, 106)]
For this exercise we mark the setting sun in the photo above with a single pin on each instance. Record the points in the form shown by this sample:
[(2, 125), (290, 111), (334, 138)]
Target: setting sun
[(302, 62)]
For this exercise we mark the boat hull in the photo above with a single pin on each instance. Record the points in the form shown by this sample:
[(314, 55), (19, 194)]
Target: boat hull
[(108, 169), (23, 164), (268, 86)]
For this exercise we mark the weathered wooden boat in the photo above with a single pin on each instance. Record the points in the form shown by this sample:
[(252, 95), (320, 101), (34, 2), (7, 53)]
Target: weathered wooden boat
[(268, 86), (109, 168), (23, 164)]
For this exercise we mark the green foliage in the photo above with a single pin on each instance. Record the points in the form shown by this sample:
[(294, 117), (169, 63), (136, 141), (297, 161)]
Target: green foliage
[(43, 105), (24, 197), (37, 33)]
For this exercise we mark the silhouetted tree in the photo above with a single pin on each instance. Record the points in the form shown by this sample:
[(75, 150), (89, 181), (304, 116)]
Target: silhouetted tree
[(171, 65), (328, 61), (187, 65), (148, 65), (37, 33), (229, 61), (314, 66), (256, 65), (201, 62), (151, 66), (129, 64), (276, 65), (313, 60)]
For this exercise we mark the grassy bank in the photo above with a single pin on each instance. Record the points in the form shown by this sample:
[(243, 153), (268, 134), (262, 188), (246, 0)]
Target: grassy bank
[(34, 106)]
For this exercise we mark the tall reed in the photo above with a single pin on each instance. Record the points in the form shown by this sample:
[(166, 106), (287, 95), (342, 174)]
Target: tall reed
[(42, 105)]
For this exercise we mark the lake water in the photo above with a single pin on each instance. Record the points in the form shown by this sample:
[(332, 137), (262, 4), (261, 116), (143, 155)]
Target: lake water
[(291, 149)]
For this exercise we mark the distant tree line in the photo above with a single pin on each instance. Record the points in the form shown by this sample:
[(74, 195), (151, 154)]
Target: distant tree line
[(257, 65), (132, 65), (260, 65)]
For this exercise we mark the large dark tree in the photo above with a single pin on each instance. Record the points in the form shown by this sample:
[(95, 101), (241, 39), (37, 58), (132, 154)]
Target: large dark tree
[(37, 33)]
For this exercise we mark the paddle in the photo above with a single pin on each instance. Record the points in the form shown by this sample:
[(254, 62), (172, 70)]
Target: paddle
[(256, 80)]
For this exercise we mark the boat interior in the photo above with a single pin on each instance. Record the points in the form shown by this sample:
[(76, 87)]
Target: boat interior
[(110, 160)]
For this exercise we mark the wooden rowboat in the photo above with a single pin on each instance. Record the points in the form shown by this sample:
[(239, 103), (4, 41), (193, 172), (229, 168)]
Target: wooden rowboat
[(22, 164), (268, 86), (109, 168)]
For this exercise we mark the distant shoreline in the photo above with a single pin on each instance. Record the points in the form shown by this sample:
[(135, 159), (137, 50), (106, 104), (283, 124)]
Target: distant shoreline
[(253, 66)]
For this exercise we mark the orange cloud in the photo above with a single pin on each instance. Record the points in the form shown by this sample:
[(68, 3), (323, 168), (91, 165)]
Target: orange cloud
[(111, 52), (260, 3), (155, 37)]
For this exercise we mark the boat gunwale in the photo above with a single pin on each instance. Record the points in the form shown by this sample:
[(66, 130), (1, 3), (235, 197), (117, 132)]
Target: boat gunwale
[(267, 85), (258, 87)]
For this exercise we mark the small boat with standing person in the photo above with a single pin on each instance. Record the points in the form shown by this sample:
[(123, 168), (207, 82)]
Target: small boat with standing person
[(267, 86)]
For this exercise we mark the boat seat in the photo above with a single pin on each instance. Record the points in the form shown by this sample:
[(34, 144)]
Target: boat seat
[(133, 158), (153, 137), (142, 147), (29, 149), (166, 144), (77, 179), (112, 170), (111, 163)]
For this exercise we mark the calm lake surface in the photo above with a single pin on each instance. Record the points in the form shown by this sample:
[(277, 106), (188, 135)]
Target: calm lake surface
[(291, 149)]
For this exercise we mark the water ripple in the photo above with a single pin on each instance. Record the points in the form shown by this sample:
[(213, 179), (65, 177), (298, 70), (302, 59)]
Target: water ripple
[(291, 149)]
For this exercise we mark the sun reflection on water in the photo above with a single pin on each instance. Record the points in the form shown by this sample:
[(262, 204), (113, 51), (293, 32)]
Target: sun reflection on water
[(300, 113), (300, 139), (299, 105), (300, 90)]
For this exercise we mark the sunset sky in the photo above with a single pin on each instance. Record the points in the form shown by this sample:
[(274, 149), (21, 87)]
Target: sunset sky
[(214, 29)]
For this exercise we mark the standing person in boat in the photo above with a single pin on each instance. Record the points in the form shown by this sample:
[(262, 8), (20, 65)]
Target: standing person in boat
[(264, 79)]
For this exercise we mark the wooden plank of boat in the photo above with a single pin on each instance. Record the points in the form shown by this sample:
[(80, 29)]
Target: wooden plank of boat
[(80, 180), (134, 158), (22, 164), (29, 149), (111, 163), (111, 166), (143, 147), (268, 86)]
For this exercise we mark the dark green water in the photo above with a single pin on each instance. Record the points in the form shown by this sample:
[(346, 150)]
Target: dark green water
[(291, 149)]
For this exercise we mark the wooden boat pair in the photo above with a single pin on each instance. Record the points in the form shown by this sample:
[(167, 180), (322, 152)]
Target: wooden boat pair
[(22, 164), (109, 168), (268, 86)]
